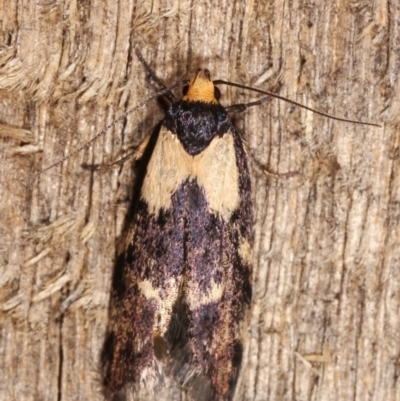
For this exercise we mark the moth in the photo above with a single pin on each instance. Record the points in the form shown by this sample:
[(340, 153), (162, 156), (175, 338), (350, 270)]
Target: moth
[(182, 286)]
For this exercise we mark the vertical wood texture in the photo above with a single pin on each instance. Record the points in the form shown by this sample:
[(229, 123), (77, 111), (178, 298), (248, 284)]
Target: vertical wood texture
[(325, 316)]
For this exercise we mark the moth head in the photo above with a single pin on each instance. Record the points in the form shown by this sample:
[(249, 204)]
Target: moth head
[(201, 89)]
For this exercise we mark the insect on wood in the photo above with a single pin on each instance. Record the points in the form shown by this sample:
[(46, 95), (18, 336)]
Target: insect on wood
[(182, 286), (182, 289)]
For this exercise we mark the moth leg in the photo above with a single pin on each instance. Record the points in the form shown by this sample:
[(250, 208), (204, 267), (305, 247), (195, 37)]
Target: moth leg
[(264, 169), (138, 152), (135, 154), (240, 107)]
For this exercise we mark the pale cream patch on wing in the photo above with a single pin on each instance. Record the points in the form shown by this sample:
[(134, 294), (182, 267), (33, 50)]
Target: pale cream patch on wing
[(168, 167), (148, 291), (215, 170), (165, 298), (245, 251), (197, 297)]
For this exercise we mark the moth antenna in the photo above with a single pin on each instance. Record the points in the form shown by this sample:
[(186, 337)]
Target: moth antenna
[(101, 133), (153, 76), (220, 81)]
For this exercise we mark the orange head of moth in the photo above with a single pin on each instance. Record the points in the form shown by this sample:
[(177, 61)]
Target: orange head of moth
[(202, 89)]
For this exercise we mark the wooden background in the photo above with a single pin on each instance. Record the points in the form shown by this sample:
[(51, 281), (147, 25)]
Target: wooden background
[(326, 311)]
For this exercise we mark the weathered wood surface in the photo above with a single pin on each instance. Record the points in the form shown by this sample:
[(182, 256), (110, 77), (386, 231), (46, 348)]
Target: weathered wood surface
[(325, 322)]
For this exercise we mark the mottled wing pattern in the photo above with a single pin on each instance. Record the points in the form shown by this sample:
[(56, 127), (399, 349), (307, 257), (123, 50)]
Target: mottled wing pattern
[(182, 289)]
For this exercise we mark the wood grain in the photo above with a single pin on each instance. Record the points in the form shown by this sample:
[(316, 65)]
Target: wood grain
[(325, 316)]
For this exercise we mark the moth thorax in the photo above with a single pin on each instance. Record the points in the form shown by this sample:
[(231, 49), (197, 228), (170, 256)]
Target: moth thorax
[(201, 88)]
